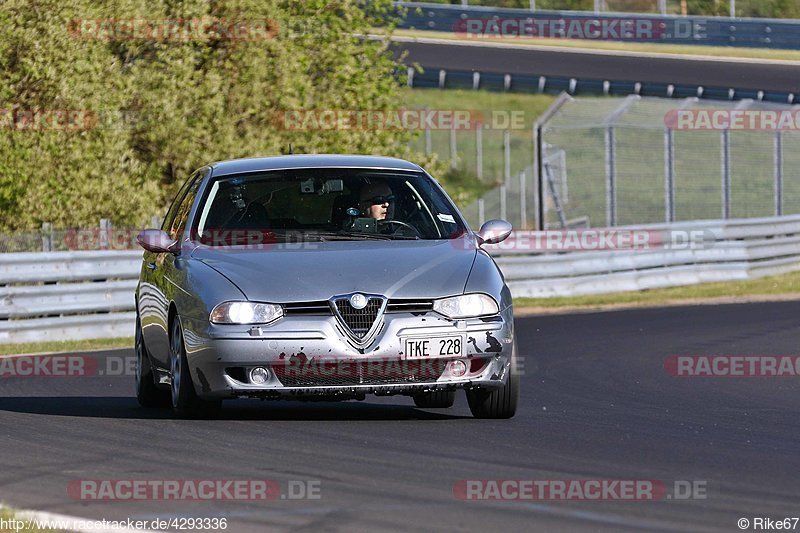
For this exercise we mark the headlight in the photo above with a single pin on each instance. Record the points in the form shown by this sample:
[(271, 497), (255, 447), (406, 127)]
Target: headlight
[(466, 306), (245, 313)]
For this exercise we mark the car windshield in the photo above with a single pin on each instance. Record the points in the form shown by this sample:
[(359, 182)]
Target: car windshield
[(326, 204)]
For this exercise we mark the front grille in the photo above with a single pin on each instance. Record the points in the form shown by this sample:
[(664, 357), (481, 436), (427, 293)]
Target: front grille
[(307, 308), (345, 374), (409, 306), (359, 321)]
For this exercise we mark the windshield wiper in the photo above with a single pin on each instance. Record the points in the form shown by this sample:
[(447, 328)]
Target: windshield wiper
[(349, 236)]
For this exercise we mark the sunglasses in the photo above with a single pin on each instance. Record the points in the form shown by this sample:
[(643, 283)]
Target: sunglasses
[(377, 200)]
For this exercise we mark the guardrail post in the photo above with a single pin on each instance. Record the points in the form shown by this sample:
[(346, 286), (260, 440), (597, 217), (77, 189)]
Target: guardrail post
[(725, 142), (669, 175), (481, 211), (47, 237), (105, 229), (155, 221), (479, 151), (533, 5), (410, 81), (778, 159), (503, 200), (506, 157)]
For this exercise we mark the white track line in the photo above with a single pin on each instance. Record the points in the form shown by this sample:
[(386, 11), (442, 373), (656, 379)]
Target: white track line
[(589, 51)]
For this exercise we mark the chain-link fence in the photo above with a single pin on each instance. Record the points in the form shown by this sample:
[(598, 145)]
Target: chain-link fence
[(613, 161)]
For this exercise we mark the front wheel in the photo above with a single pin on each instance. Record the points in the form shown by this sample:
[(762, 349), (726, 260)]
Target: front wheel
[(147, 393), (497, 403), (440, 399), (185, 401)]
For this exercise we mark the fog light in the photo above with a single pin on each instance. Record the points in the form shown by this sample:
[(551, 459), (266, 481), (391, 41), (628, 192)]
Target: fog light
[(458, 368), (259, 375)]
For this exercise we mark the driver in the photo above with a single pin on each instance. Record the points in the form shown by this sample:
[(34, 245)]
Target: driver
[(375, 199)]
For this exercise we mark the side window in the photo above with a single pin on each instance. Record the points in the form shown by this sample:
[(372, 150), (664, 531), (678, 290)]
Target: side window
[(167, 224), (178, 224)]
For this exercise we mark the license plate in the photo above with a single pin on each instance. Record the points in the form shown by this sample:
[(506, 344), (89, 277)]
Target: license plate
[(449, 346)]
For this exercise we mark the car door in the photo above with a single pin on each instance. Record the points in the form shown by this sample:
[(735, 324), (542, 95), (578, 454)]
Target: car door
[(157, 288)]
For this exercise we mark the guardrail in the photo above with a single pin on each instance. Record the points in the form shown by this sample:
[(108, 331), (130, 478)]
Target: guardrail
[(728, 251), (83, 295), (446, 78), (706, 31)]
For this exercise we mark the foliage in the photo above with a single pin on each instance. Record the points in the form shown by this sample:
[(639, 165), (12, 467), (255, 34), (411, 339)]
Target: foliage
[(159, 108)]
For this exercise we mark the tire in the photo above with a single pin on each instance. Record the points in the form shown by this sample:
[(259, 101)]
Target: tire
[(497, 403), (147, 393), (441, 399), (185, 401)]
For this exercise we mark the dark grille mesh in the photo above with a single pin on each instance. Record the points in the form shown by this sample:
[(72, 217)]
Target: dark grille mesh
[(343, 374), (359, 320)]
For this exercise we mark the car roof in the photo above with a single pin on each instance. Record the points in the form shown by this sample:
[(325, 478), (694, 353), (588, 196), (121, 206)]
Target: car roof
[(256, 164)]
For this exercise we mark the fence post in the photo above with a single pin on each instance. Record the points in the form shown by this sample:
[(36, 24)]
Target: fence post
[(47, 237), (611, 178), (506, 157), (539, 199), (533, 5), (523, 201), (725, 142), (105, 228), (479, 151), (428, 142), (778, 158), (453, 148), (669, 175)]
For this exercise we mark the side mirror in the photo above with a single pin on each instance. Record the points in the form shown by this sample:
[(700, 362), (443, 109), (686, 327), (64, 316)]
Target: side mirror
[(494, 231), (157, 241)]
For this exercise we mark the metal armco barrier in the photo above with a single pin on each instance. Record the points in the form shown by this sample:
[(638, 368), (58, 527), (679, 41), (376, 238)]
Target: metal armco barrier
[(708, 31), (732, 250), (87, 295)]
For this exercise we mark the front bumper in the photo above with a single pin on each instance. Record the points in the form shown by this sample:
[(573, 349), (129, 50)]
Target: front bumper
[(312, 357)]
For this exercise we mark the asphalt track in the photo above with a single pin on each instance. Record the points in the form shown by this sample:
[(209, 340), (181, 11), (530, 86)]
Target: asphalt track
[(596, 403), (749, 75)]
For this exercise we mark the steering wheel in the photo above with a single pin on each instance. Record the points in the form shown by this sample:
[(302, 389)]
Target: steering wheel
[(401, 224)]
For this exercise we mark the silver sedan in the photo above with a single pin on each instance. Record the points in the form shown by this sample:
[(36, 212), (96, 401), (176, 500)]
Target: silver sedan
[(321, 277)]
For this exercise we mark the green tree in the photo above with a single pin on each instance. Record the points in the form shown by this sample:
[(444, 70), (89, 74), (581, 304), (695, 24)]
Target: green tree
[(169, 106)]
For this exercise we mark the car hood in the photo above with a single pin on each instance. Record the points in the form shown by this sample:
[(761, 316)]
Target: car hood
[(314, 271)]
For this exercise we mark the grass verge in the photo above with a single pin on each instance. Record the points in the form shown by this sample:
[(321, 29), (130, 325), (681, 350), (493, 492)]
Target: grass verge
[(648, 48), (28, 526), (777, 287), (66, 346), (497, 110)]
